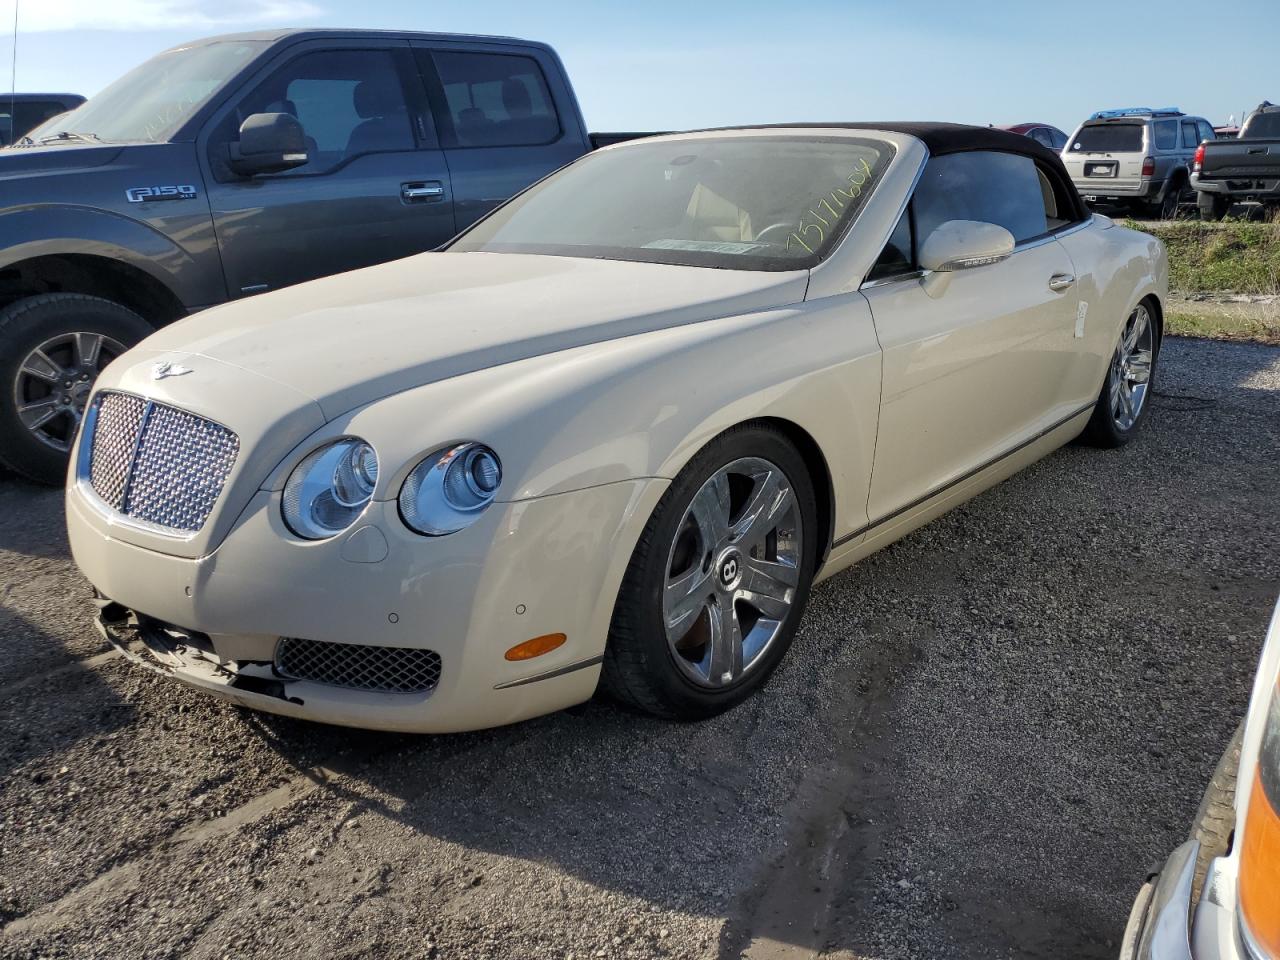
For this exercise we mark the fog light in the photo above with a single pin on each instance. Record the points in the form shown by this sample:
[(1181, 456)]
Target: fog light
[(535, 647)]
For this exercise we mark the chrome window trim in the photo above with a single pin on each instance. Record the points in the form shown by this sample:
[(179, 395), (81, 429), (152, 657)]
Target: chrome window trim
[(919, 274), (902, 208)]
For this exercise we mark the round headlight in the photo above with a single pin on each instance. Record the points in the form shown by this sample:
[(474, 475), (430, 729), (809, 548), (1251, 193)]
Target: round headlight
[(329, 489), (449, 489)]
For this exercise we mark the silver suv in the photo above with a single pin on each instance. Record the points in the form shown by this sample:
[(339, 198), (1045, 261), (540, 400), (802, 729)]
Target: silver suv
[(1137, 157)]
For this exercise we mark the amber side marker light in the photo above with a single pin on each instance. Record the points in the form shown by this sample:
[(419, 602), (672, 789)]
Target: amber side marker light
[(535, 647), (1260, 851)]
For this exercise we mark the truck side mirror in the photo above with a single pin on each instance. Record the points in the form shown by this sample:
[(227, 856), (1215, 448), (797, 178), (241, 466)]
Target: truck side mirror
[(269, 143)]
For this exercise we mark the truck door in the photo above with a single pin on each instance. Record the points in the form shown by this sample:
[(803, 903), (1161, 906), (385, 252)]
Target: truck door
[(505, 120), (375, 187)]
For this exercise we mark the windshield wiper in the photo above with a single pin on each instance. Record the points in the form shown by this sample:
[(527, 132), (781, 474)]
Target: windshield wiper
[(70, 135)]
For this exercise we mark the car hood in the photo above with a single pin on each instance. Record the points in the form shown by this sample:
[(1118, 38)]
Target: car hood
[(347, 340)]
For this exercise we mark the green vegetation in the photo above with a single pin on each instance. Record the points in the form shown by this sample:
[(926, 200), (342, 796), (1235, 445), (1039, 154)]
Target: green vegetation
[(1221, 322), (1229, 257), (1214, 262)]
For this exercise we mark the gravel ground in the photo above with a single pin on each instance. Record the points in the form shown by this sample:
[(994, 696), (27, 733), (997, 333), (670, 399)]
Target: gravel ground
[(981, 740)]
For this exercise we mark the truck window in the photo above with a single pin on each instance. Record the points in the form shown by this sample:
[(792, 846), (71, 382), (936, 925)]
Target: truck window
[(497, 100), (1190, 135), (1205, 130), (1108, 138), (349, 102), (1165, 133), (1262, 125), (25, 117)]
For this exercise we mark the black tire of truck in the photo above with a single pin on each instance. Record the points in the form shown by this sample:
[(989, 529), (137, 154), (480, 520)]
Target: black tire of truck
[(52, 347), (1212, 206), (1217, 816)]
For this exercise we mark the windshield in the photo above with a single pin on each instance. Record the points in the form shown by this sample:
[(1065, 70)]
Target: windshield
[(1262, 125), (150, 103), (1109, 138), (745, 203)]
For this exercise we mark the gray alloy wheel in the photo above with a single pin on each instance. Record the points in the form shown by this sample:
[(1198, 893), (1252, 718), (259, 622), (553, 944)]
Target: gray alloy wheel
[(732, 574), (54, 381), (1131, 369)]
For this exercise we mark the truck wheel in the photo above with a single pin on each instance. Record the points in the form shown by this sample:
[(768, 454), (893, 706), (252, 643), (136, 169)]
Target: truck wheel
[(1212, 206), (52, 348), (718, 581)]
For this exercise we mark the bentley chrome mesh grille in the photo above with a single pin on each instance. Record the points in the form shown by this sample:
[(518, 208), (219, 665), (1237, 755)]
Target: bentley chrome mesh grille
[(159, 464), (115, 440), (359, 667)]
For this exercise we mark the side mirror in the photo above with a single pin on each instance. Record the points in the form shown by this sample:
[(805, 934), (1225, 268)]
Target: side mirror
[(269, 143), (961, 245)]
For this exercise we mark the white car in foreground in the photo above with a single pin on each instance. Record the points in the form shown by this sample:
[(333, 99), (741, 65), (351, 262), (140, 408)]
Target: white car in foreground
[(1218, 896), (614, 432)]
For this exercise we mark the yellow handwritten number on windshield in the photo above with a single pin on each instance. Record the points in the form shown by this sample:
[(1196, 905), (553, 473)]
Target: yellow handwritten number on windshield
[(832, 206)]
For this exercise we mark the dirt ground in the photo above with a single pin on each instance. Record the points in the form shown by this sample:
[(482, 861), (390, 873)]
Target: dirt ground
[(982, 739)]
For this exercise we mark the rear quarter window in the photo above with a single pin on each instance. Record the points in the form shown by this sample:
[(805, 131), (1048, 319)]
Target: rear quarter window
[(1108, 138), (1263, 125)]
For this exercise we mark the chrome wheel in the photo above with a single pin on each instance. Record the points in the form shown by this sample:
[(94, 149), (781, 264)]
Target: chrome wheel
[(54, 382), (732, 572), (1131, 369)]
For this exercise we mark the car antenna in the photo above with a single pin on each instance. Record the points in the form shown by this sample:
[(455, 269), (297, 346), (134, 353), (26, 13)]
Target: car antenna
[(13, 77)]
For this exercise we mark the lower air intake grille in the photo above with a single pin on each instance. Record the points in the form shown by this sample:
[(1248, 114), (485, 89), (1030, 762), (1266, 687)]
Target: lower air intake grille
[(352, 665)]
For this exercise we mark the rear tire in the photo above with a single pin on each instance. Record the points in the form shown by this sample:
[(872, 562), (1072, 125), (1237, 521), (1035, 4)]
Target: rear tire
[(1212, 206), (680, 594), (52, 348), (1126, 392)]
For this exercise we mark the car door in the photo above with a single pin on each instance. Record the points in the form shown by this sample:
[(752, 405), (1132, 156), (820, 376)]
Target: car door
[(375, 186), (973, 373), (502, 124)]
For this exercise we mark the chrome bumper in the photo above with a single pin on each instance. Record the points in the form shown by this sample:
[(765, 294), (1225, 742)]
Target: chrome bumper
[(1159, 926)]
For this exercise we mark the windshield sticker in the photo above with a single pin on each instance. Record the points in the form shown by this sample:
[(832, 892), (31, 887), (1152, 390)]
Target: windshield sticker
[(707, 246), (826, 212)]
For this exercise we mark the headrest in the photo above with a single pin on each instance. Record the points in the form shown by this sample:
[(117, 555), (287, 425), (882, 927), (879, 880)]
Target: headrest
[(369, 98), (470, 116), (516, 99)]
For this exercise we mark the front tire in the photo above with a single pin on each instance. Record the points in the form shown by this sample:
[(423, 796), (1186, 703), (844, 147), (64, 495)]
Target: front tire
[(1122, 404), (718, 581), (52, 348)]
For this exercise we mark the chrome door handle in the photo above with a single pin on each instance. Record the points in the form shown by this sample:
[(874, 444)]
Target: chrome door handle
[(1060, 281), (422, 190)]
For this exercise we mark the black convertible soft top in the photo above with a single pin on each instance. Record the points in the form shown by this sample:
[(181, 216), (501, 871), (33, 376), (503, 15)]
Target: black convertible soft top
[(944, 138)]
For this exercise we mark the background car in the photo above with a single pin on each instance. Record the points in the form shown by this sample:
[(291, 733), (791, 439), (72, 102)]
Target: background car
[(612, 433), (1044, 134), (20, 113), (1218, 895), (1136, 157)]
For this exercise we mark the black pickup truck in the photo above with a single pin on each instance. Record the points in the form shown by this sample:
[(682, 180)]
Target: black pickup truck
[(239, 164), (1245, 169), (22, 112)]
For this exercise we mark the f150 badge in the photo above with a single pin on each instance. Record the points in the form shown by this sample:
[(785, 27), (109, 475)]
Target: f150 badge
[(183, 191)]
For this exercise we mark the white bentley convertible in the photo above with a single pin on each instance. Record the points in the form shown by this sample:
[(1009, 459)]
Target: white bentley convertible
[(612, 434)]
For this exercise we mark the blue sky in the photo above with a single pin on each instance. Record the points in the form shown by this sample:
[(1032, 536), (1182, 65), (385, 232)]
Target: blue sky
[(672, 64)]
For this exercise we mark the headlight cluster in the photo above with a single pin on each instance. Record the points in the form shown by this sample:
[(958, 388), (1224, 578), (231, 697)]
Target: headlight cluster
[(329, 490), (449, 489)]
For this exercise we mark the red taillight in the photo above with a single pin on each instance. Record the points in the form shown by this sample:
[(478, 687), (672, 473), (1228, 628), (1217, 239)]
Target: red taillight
[(1198, 160), (1149, 167)]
